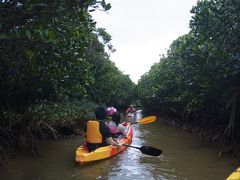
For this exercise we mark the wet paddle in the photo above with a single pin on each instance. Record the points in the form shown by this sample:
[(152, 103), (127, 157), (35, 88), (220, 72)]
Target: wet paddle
[(147, 150), (146, 120)]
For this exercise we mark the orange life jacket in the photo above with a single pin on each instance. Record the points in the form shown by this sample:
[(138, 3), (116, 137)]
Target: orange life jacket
[(93, 134)]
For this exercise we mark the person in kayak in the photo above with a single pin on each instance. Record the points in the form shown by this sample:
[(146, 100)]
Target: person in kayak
[(115, 127), (97, 132), (110, 111), (130, 111)]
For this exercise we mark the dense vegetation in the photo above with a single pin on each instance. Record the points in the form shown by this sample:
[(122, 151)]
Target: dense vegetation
[(197, 84), (54, 69)]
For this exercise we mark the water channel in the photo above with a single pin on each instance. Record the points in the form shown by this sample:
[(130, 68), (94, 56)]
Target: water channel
[(184, 157)]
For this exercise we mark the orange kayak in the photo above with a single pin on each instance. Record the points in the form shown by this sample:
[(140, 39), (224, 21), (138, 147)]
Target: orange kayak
[(83, 156)]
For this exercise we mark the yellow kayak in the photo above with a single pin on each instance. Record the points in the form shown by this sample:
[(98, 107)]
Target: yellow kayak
[(83, 156), (235, 175)]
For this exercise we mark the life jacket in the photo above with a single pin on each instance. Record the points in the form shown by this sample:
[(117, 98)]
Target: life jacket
[(93, 134)]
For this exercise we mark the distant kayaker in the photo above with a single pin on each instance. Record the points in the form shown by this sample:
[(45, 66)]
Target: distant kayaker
[(97, 132), (115, 127), (130, 111)]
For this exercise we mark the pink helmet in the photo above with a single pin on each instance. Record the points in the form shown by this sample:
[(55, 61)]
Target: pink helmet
[(111, 110)]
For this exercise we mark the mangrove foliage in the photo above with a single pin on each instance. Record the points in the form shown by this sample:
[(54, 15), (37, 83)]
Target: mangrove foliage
[(54, 69), (197, 83)]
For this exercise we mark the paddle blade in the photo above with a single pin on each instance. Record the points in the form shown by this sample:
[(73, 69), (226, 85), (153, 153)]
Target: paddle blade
[(150, 151), (147, 120)]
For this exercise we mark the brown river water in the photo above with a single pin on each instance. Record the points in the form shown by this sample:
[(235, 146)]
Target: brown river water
[(184, 158)]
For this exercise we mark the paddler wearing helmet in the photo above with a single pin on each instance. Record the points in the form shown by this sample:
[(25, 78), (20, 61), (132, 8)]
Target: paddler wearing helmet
[(97, 132)]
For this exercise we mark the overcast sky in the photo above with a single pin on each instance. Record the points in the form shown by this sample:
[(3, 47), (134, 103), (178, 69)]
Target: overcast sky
[(143, 30)]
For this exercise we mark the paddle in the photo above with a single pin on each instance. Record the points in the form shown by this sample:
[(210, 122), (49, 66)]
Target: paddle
[(147, 150), (146, 120)]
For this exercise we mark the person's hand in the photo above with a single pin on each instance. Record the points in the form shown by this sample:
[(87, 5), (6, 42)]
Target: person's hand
[(120, 144)]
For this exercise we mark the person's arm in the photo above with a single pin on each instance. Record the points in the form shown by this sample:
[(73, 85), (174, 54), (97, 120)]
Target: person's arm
[(105, 131), (112, 142), (122, 129)]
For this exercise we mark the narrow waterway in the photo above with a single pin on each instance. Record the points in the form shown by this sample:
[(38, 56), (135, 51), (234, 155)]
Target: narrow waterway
[(184, 157)]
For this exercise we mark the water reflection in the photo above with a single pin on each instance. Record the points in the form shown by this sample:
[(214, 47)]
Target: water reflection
[(96, 170), (128, 165), (138, 114)]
